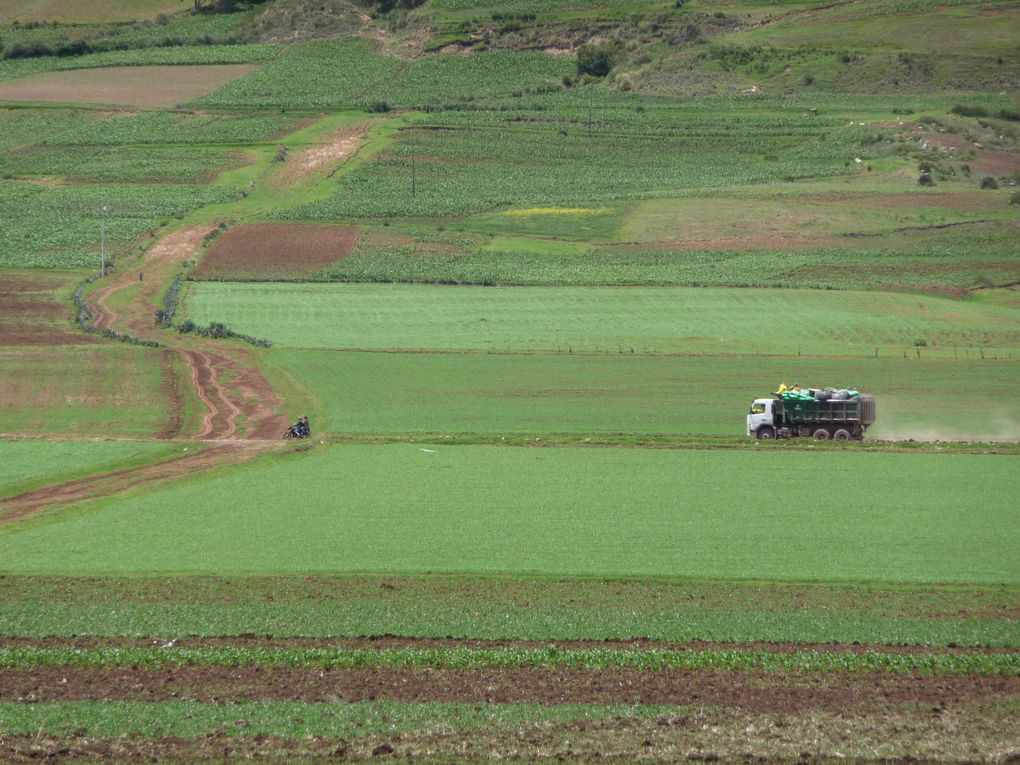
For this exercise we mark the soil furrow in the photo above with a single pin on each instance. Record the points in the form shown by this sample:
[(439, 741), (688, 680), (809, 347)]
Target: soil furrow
[(763, 692), (384, 642)]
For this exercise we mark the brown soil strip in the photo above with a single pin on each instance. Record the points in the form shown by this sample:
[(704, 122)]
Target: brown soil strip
[(322, 158), (175, 420), (383, 642), (34, 311), (760, 692), (276, 250), (118, 481), (128, 85)]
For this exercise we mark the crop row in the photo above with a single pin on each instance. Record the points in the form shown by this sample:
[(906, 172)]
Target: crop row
[(349, 72), (321, 74), (461, 171), (170, 128), (70, 41), (799, 106), (60, 227), (817, 268), (253, 53), (133, 165), (509, 658)]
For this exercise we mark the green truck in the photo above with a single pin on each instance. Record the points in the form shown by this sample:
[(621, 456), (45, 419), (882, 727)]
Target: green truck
[(838, 420)]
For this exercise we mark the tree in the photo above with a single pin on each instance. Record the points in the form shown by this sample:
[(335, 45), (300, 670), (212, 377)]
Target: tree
[(597, 60)]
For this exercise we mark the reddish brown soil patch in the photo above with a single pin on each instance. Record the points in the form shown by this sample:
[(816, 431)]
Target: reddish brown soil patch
[(985, 161), (127, 85), (34, 310), (762, 692), (276, 250)]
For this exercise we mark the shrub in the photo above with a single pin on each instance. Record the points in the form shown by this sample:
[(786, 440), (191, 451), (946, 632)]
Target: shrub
[(925, 179), (1008, 114), (988, 182), (969, 111), (597, 60), (1015, 198), (378, 107)]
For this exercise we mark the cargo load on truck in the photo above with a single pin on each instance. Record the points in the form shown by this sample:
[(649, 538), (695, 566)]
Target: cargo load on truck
[(839, 414)]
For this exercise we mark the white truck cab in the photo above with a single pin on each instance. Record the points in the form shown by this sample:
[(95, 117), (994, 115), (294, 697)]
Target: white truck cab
[(761, 414)]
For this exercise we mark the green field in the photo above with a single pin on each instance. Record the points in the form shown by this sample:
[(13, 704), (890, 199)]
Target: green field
[(600, 394), (558, 512), (502, 607), (40, 462), (83, 391), (579, 238), (638, 320)]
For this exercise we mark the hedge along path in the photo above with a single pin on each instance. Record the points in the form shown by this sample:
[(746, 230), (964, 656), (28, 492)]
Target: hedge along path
[(248, 394)]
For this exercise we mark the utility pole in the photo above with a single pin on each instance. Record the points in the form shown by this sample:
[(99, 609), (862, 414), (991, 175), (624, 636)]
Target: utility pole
[(102, 242), (414, 164), (591, 96)]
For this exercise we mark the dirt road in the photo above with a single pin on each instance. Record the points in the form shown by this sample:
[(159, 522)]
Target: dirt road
[(246, 407)]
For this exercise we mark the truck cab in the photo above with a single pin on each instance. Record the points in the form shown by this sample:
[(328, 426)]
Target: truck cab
[(760, 420)]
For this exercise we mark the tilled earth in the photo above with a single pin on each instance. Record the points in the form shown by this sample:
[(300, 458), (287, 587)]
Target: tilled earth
[(761, 692), (718, 715)]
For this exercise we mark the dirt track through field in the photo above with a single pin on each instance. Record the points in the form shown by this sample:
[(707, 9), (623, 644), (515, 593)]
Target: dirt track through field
[(117, 481), (224, 375), (240, 406)]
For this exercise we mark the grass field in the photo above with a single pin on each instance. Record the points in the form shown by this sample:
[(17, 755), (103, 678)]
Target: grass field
[(540, 394), (92, 390), (638, 320), (31, 463), (536, 306), (603, 512), (508, 608)]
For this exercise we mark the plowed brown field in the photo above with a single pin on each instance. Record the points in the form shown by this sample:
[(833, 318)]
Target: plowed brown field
[(34, 310), (275, 251), (124, 86)]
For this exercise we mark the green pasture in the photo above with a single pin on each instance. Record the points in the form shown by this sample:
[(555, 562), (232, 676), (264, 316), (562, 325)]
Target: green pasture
[(108, 389), (962, 28), (559, 512), (298, 720), (545, 394), (613, 320), (36, 463), (776, 212), (501, 607)]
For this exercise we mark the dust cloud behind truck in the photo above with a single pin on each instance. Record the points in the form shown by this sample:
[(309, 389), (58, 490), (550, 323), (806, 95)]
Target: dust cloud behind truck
[(802, 415)]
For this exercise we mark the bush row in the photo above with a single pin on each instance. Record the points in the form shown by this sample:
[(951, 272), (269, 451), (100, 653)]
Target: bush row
[(85, 315), (165, 315), (219, 330)]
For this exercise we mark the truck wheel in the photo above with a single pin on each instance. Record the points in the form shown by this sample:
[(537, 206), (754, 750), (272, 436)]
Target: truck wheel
[(765, 433), (820, 435), (841, 435)]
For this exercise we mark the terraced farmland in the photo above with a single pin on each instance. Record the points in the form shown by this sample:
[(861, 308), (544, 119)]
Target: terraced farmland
[(523, 267)]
